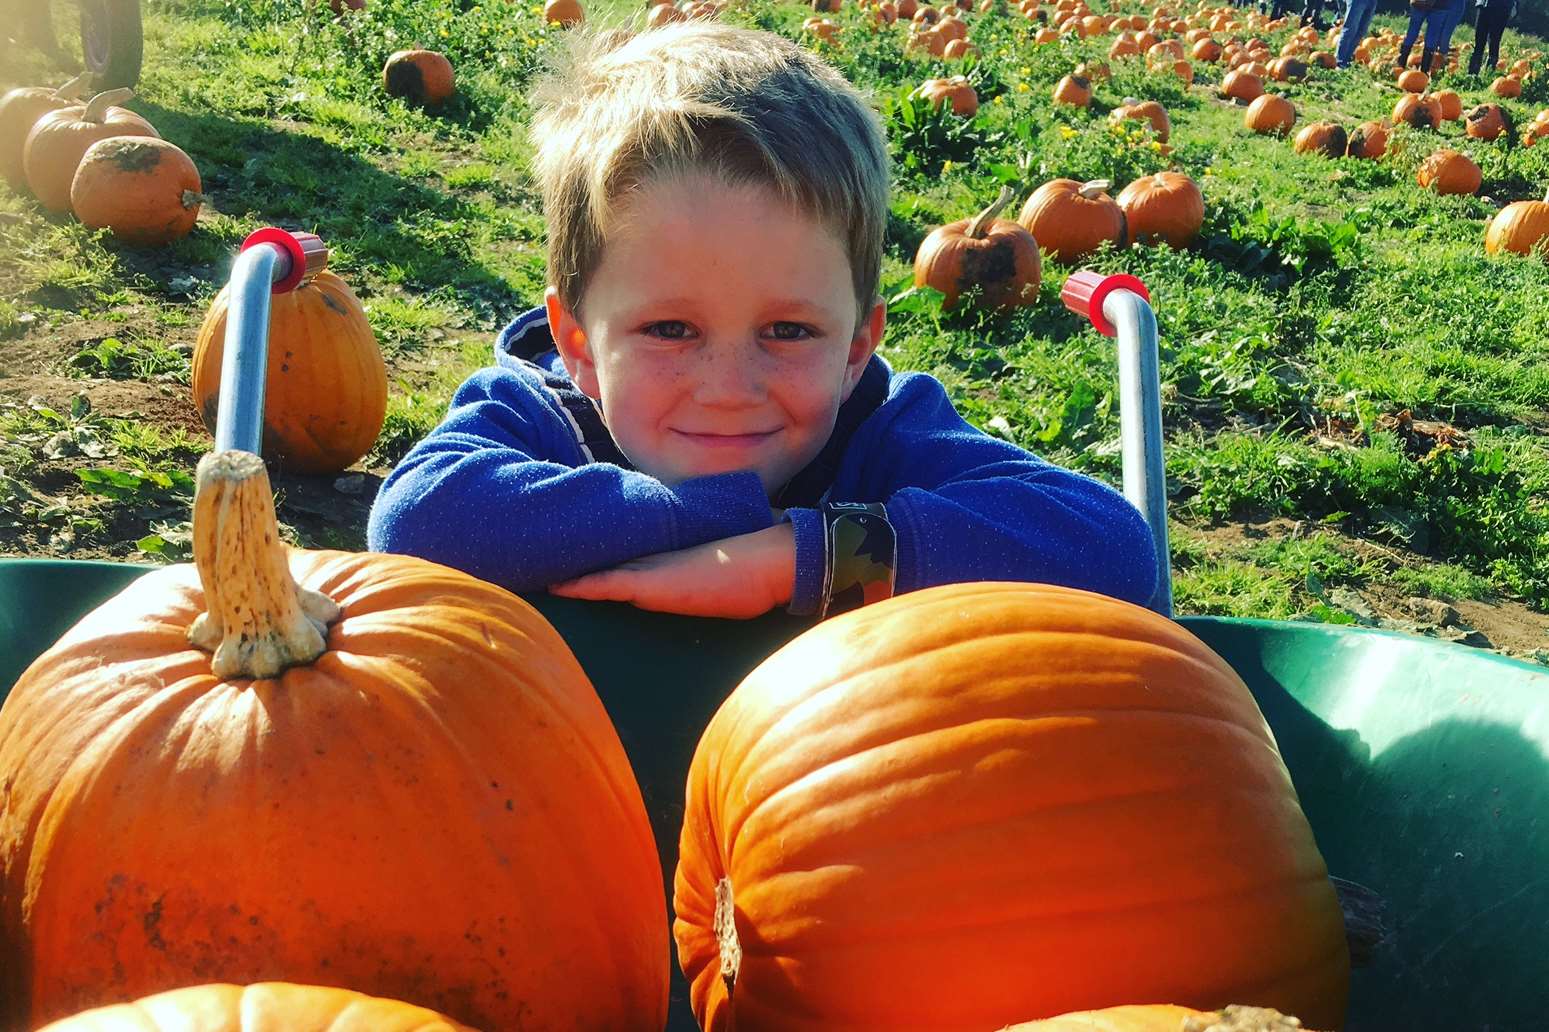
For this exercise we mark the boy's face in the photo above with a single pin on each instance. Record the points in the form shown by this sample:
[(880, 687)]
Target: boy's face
[(718, 332)]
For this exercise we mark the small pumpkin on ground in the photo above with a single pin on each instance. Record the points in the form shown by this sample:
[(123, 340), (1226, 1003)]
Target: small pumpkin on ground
[(1417, 110), (1369, 140), (1288, 69), (901, 777), (954, 91), (1167, 206), (996, 255), (146, 190), (326, 393), (1507, 86), (1325, 138), (421, 77), (1520, 228), (1074, 90), (1071, 219), (1413, 80), (1166, 1018), (1449, 172), (1145, 110), (1487, 122), (1242, 85), (1270, 113), (260, 1007), (20, 110), (1450, 103), (198, 743), (60, 138), (563, 12)]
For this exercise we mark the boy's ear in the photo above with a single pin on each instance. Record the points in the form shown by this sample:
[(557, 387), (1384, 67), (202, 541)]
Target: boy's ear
[(863, 346), (571, 343)]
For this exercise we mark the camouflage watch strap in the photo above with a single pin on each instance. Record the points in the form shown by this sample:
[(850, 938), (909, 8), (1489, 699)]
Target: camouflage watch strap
[(862, 553)]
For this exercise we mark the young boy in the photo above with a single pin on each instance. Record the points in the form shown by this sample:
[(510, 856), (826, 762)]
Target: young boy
[(697, 420)]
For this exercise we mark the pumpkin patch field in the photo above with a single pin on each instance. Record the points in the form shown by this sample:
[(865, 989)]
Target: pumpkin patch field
[(1348, 268)]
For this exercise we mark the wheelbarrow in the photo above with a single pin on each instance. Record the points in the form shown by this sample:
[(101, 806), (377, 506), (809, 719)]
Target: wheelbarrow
[(112, 39), (1422, 766)]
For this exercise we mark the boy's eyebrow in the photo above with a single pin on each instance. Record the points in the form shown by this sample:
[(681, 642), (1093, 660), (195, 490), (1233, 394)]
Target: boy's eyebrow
[(778, 304)]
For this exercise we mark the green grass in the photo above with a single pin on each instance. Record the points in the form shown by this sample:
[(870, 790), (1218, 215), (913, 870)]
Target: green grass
[(1322, 297)]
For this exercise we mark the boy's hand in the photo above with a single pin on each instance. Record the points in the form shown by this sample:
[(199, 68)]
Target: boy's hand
[(738, 577)]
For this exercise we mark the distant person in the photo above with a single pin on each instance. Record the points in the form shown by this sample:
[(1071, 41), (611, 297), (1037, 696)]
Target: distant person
[(1358, 20), (1494, 16), (1440, 18)]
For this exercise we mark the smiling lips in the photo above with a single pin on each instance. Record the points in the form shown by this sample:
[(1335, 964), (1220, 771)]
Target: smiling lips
[(726, 440)]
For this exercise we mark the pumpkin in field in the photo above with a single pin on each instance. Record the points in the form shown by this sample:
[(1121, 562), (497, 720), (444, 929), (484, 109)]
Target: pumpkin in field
[(965, 805), (260, 1007), (1507, 86), (958, 49), (954, 92), (1207, 50), (1520, 227), (1073, 90), (20, 110), (996, 255), (1167, 206), (1182, 69), (1325, 138), (1093, 70), (1241, 85), (1369, 140), (322, 767), (60, 138), (421, 77), (1158, 1017), (564, 12), (326, 393), (1145, 110), (1270, 113), (1449, 172), (1288, 69), (1071, 219), (1123, 46), (144, 189), (1487, 122), (1451, 105), (1323, 59), (1418, 110), (1413, 81)]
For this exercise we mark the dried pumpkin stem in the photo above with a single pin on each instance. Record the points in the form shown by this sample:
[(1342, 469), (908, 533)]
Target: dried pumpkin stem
[(72, 89), (725, 927), (97, 107), (260, 622), (986, 218), (1092, 187)]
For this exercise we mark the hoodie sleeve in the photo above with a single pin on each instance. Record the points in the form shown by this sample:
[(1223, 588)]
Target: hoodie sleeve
[(502, 491), (966, 506)]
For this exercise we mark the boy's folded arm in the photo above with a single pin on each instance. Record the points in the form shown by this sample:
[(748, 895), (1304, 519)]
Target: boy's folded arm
[(492, 492)]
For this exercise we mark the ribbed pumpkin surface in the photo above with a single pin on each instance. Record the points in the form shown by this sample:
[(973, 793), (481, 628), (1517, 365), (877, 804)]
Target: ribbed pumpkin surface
[(988, 803), (437, 810), (265, 1007)]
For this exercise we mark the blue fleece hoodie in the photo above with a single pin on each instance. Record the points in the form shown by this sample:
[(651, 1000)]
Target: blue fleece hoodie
[(522, 485)]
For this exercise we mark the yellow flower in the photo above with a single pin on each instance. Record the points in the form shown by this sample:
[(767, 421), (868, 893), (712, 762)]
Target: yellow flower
[(1067, 132), (998, 99), (1022, 87), (946, 166), (1155, 146)]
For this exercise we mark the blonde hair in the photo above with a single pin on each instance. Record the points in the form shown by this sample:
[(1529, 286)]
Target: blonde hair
[(623, 109)]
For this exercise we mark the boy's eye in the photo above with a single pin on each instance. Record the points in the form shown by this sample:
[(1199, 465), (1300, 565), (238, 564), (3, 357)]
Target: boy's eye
[(668, 329), (790, 331)]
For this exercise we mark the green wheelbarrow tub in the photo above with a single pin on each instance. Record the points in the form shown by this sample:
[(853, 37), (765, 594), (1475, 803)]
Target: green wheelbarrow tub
[(1423, 767)]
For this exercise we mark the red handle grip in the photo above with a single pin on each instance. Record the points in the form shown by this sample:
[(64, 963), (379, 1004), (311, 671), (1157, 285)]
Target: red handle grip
[(306, 253), (1084, 292)]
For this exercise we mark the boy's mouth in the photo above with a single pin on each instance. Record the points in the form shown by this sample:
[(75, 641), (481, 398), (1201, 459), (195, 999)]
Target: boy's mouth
[(726, 440)]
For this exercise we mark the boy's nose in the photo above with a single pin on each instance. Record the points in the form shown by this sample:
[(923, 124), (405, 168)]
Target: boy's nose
[(730, 376)]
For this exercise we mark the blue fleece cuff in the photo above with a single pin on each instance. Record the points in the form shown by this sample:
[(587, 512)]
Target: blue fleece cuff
[(811, 561), (719, 506)]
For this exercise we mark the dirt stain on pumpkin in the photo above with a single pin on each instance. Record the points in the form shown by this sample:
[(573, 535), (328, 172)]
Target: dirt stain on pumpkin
[(131, 154), (991, 268)]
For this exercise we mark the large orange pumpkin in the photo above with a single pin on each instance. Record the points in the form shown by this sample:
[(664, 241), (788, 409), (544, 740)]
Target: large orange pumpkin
[(1520, 227), (1451, 105), (1242, 85), (60, 138), (20, 110), (1449, 172), (970, 805), (1158, 1017), (1145, 110), (1369, 140), (996, 255), (1167, 206), (1270, 113), (1071, 219), (327, 768), (144, 189), (261, 1007), (422, 77), (1507, 86), (1487, 122), (1074, 90), (954, 92), (1419, 110), (1326, 138), (326, 394)]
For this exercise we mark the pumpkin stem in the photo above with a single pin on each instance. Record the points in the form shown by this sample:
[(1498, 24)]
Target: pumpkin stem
[(72, 89), (986, 218), (259, 622), (726, 933), (97, 107), (1092, 188)]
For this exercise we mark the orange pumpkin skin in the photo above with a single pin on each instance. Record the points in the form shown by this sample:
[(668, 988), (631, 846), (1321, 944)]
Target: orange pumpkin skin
[(954, 91), (1451, 105), (1419, 110), (438, 809), (421, 77), (59, 139), (1160, 1017), (1519, 228), (1146, 110), (1242, 85), (965, 804), (20, 110), (1167, 206), (1323, 138), (1486, 122), (1507, 86), (1270, 113), (1073, 90), (1070, 219), (1370, 140), (1413, 81), (144, 189), (261, 1007), (564, 12), (326, 394), (1449, 172), (994, 254)]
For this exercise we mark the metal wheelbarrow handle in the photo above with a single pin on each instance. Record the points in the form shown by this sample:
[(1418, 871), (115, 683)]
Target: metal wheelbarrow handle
[(271, 261), (1119, 306)]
